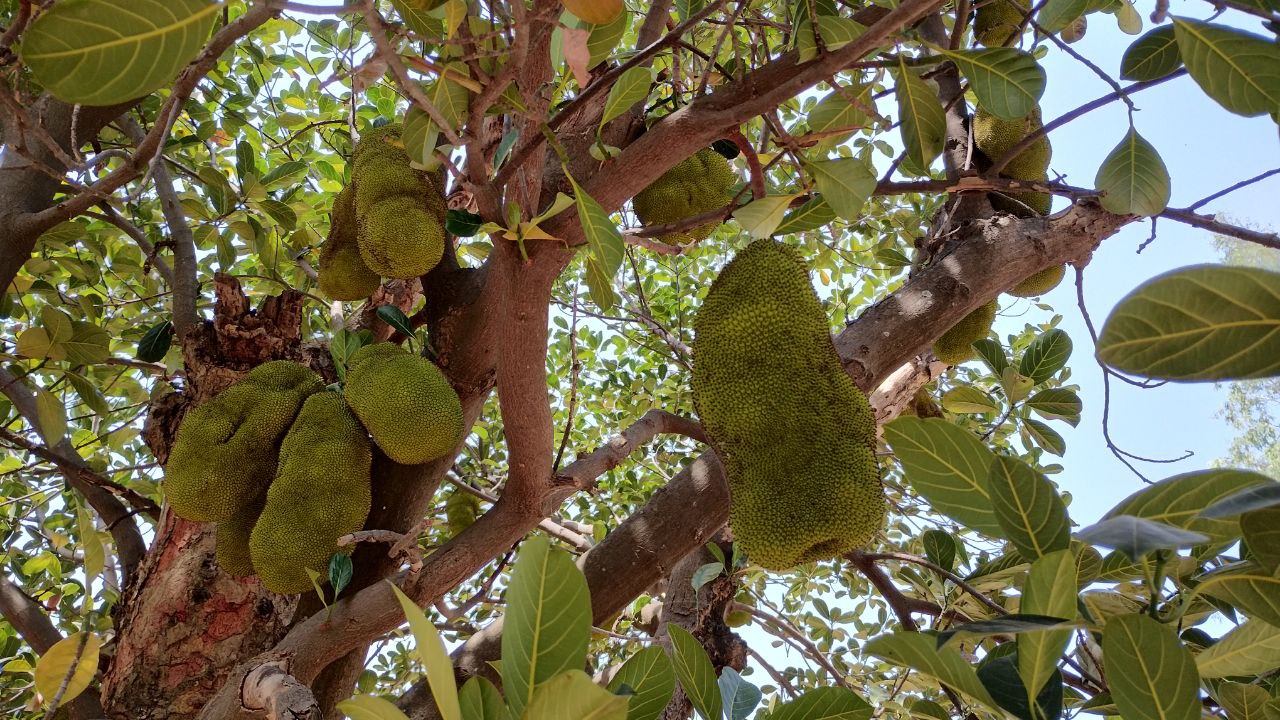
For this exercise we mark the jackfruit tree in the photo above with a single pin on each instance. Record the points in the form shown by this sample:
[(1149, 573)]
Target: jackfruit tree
[(728, 346)]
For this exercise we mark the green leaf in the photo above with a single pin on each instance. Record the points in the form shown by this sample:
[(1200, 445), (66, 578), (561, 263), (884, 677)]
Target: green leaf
[(705, 574), (845, 184), (1045, 436), (89, 344), (434, 657), (36, 344), (1248, 588), (923, 121), (1133, 178), (604, 247), (56, 662), (836, 32), (88, 392), (1159, 680), (1056, 404), (1152, 56), (1179, 500), (1135, 536), (829, 703), (964, 399), (368, 707), (1202, 322), (1057, 15), (480, 700), (939, 548), (1000, 677), (285, 173), (461, 223), (604, 38), (1239, 70), (420, 136), (649, 674), (948, 466), (1050, 589), (571, 694), (340, 570), (1028, 508), (1250, 649), (415, 15), (921, 653), (632, 87), (548, 620), (1254, 498), (95, 556), (992, 355), (103, 52), (395, 317), (51, 417), (1008, 82), (697, 676), (1005, 625), (1261, 531), (814, 214), (449, 95), (762, 216), (1046, 355), (847, 109), (739, 696), (1242, 701)]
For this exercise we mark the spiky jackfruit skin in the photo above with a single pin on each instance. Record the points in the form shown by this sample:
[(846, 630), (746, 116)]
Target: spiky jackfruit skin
[(400, 210), (461, 509), (996, 136), (794, 432), (405, 403), (322, 491), (998, 21), (343, 273), (225, 450), (1040, 283), (231, 546), (956, 345), (1027, 203), (698, 184)]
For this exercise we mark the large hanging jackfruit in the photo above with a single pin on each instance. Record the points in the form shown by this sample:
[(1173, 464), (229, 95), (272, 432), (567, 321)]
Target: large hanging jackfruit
[(225, 451), (697, 184), (998, 21), (343, 273), (400, 210), (956, 345), (795, 434), (322, 491), (405, 403)]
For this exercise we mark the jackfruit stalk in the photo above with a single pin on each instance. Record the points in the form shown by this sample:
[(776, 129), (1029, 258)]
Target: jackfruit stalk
[(322, 491), (405, 403), (795, 434), (697, 184), (343, 273), (225, 450), (956, 345), (997, 22), (400, 210)]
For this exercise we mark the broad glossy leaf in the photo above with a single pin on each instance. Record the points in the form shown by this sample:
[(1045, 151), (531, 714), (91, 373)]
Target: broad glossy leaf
[(604, 247), (1050, 589), (1242, 701), (696, 674), (1028, 508), (1201, 322), (88, 345), (969, 399), (596, 12), (571, 694), (921, 653), (1000, 677), (740, 697), (480, 700), (1178, 500), (812, 215), (845, 184), (434, 656), (1249, 649), (56, 662), (88, 392), (548, 621), (847, 109), (1247, 587), (51, 417), (416, 14), (1056, 404), (1057, 15), (1151, 56), (939, 548), (370, 707), (1254, 498), (829, 703), (102, 52), (1238, 69), (1046, 355), (992, 355), (632, 87), (947, 465), (1133, 178), (836, 32), (649, 674), (1135, 536), (922, 119), (1159, 681), (1045, 436), (1261, 531), (1007, 81), (762, 217), (1006, 625)]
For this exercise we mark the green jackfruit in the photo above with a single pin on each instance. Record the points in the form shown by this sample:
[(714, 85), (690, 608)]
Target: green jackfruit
[(225, 451), (343, 273), (956, 345), (999, 21), (795, 434), (1023, 203), (461, 509), (321, 492), (697, 184), (405, 403), (231, 546), (400, 210), (1040, 283), (995, 137)]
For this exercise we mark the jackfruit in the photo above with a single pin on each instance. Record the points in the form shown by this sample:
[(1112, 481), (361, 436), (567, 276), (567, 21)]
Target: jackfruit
[(231, 541), (795, 434), (225, 451), (996, 136), (698, 184), (400, 210), (461, 509), (956, 345), (1040, 283), (343, 273), (322, 491), (999, 21), (405, 403), (1023, 203)]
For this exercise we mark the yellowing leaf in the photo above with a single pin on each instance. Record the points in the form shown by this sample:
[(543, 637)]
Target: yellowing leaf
[(596, 12), (54, 665)]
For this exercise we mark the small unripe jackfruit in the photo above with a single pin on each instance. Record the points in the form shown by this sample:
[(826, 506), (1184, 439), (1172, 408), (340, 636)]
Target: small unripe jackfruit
[(321, 492), (996, 136), (794, 432), (400, 210), (405, 403), (343, 273), (225, 451), (998, 21), (698, 184), (461, 509), (956, 345), (1040, 283)]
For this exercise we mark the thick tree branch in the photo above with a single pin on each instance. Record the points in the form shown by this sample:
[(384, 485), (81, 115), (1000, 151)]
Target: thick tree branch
[(581, 474), (275, 694)]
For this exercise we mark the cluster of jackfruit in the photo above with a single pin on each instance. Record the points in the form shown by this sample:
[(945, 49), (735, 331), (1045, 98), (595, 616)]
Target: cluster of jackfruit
[(956, 345), (998, 22), (795, 434), (387, 386), (388, 223), (696, 185)]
